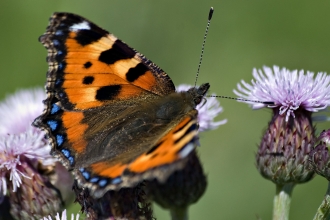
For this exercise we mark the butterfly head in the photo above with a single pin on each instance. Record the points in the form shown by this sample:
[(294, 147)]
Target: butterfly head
[(198, 93)]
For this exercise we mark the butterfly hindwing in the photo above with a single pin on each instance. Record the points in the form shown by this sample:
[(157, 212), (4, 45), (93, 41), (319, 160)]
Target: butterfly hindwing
[(65, 130), (164, 157)]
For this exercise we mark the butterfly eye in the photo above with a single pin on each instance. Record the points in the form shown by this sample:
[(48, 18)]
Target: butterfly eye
[(197, 100)]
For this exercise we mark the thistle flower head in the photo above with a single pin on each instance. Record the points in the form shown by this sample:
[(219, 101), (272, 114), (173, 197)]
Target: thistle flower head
[(24, 164), (27, 170), (18, 150), (289, 90), (18, 110), (284, 150), (207, 111)]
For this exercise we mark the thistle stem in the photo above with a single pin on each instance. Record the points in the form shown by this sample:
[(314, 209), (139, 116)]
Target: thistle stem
[(282, 201), (179, 213), (323, 212)]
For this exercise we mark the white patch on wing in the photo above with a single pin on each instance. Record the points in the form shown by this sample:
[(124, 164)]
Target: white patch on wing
[(81, 26), (186, 150)]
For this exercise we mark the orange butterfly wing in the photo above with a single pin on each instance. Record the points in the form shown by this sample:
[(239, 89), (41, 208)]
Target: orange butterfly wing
[(89, 67)]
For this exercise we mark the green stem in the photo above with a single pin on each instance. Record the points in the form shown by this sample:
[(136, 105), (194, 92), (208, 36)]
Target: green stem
[(179, 213), (323, 212), (282, 201)]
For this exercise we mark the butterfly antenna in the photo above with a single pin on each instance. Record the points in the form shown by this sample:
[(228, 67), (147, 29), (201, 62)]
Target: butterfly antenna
[(200, 63), (242, 100), (204, 40)]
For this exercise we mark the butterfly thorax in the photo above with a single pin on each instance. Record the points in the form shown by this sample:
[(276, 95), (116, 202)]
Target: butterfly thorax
[(179, 104)]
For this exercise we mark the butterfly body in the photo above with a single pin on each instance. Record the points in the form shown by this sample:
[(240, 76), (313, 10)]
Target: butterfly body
[(113, 117)]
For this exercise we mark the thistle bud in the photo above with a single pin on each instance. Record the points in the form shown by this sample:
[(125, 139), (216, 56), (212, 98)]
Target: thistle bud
[(284, 150), (319, 156)]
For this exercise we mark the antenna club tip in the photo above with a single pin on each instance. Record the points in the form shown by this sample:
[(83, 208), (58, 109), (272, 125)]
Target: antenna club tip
[(211, 13)]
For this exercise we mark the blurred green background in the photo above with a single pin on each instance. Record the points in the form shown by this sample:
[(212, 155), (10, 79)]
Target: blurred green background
[(243, 35)]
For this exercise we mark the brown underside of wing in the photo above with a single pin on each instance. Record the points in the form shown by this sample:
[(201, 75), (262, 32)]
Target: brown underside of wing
[(166, 151)]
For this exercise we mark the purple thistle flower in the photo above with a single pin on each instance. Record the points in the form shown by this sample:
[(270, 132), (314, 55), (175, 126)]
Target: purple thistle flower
[(25, 168), (15, 151), (206, 111), (62, 217), (28, 172), (18, 110), (283, 155), (18, 138), (289, 90), (284, 150)]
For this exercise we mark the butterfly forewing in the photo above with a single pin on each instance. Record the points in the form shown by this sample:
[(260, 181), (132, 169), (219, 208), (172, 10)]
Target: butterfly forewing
[(89, 66)]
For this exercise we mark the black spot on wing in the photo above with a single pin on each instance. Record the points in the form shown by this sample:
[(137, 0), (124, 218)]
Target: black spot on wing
[(134, 73), (107, 92), (118, 51), (86, 37), (87, 65), (88, 80)]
